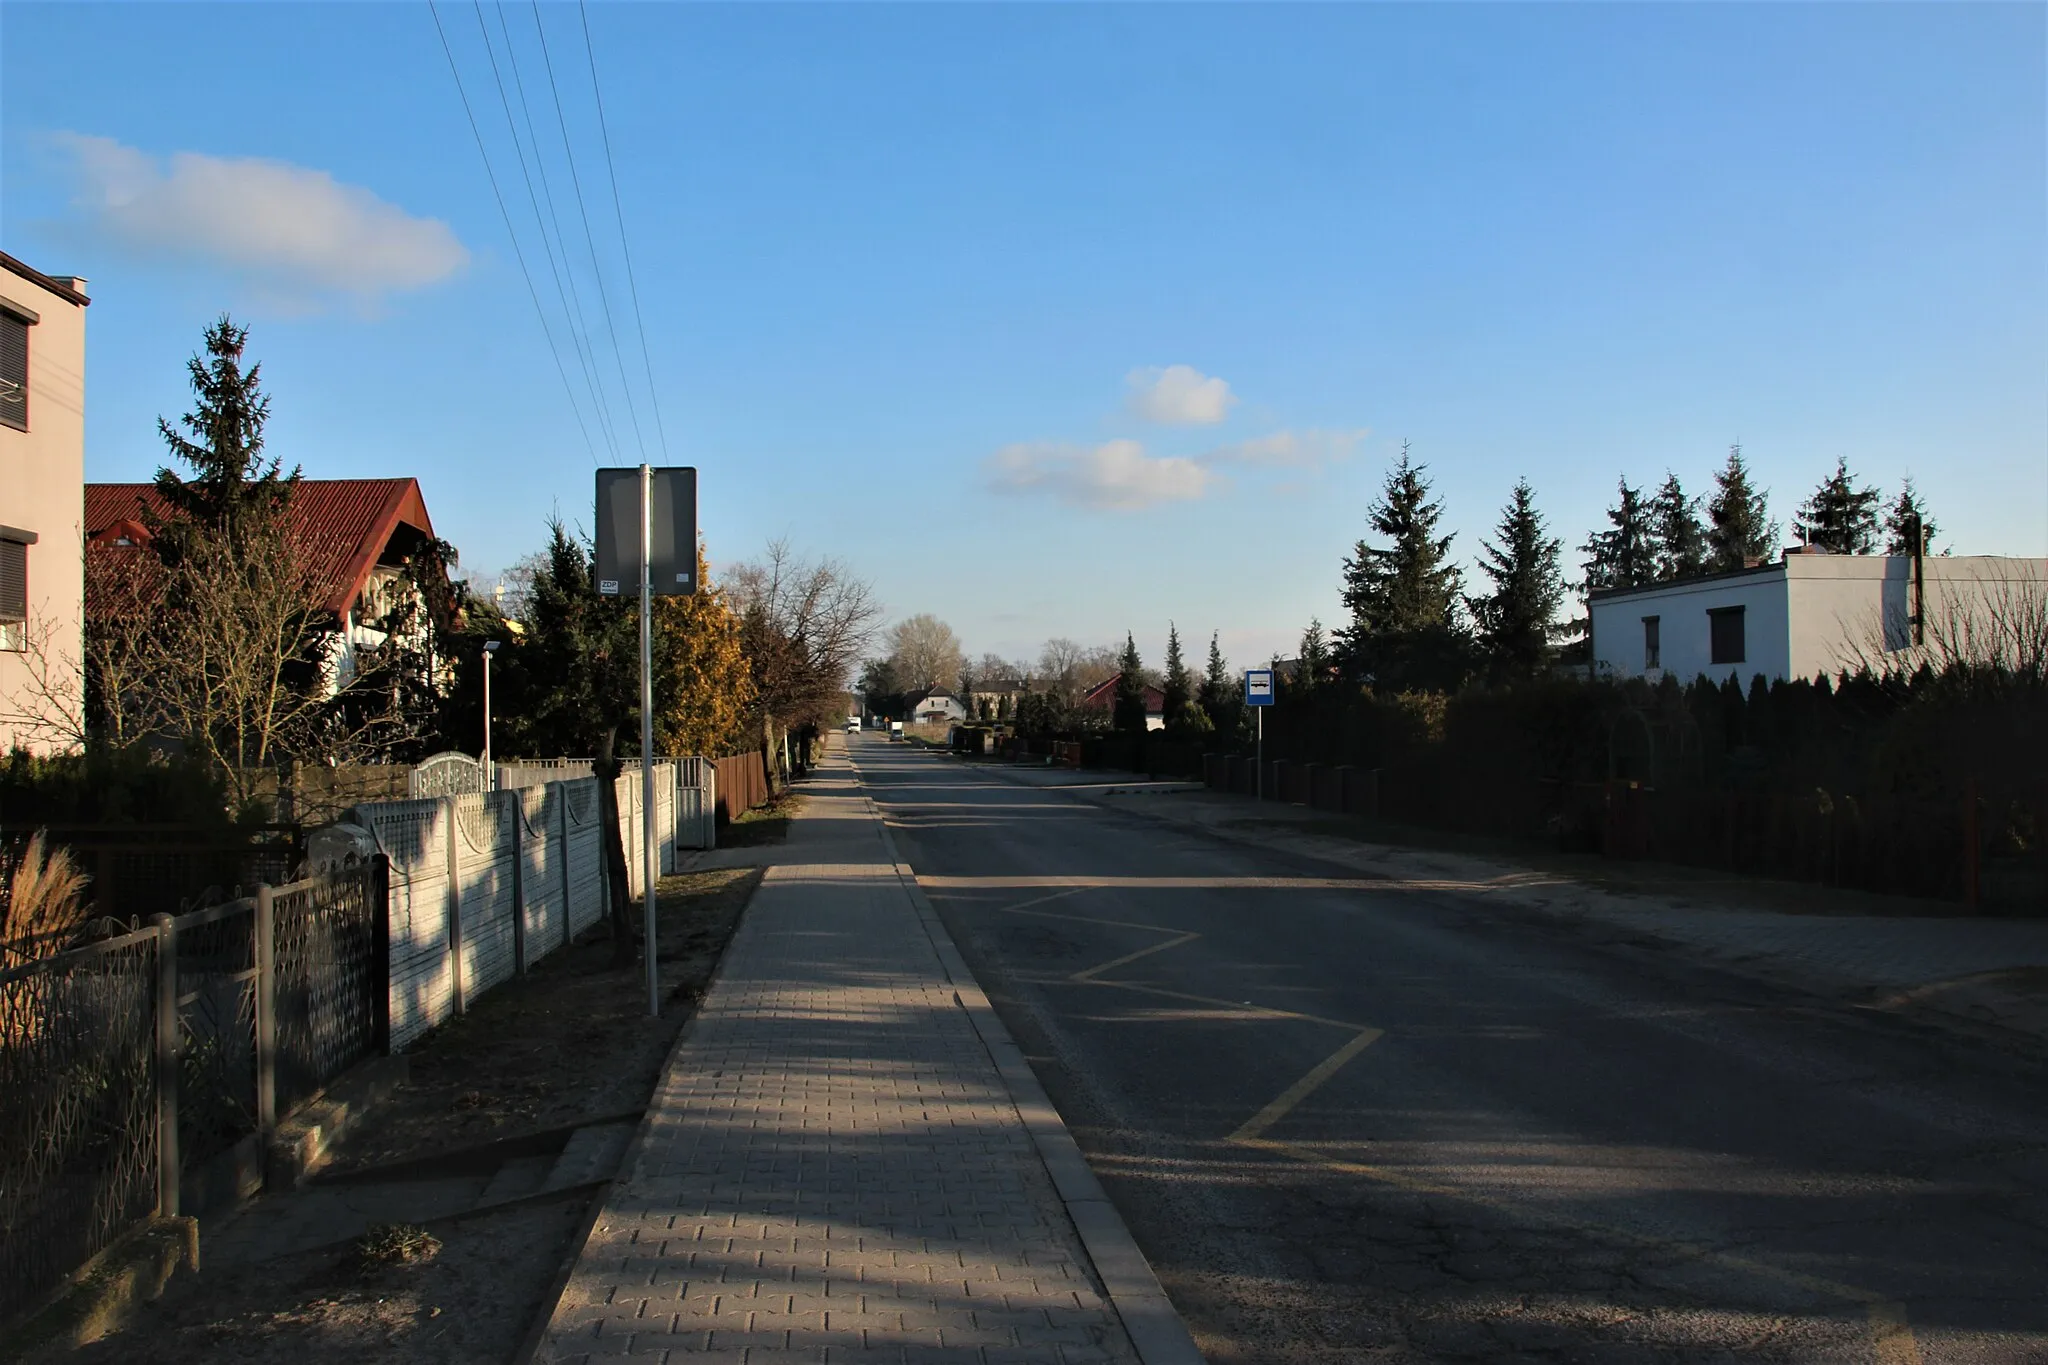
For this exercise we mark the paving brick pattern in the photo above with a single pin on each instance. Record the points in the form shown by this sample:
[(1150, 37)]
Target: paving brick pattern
[(833, 1169)]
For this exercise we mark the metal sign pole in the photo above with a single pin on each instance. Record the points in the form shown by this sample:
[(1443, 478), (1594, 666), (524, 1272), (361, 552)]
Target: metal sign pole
[(650, 857), (1258, 694)]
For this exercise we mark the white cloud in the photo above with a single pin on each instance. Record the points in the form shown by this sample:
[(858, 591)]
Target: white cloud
[(1178, 395), (1289, 449), (288, 226), (1117, 475)]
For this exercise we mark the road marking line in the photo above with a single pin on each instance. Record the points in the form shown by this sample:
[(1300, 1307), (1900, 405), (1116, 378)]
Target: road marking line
[(1091, 973), (1078, 919), (1023, 908), (1301, 1089), (1892, 1335), (1249, 1011)]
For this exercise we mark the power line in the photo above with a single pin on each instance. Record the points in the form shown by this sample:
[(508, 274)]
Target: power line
[(618, 210), (590, 240), (593, 372), (581, 325), (533, 293)]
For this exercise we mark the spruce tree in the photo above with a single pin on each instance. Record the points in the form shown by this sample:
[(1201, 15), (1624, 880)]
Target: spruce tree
[(222, 442), (1178, 685), (1129, 714), (1907, 511), (1402, 597), (1517, 620), (1681, 541), (1313, 669), (1739, 528), (1840, 517), (1625, 555), (1218, 694), (576, 684)]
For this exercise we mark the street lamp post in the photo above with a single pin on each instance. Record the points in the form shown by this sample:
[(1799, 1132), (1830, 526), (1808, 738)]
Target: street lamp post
[(490, 773)]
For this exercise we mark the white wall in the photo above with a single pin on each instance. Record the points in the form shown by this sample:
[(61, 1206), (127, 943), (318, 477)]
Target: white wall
[(1849, 610), (1686, 645), (1809, 614)]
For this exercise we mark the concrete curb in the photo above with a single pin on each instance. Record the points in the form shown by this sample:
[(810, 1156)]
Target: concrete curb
[(1149, 1317), (104, 1295), (306, 1138)]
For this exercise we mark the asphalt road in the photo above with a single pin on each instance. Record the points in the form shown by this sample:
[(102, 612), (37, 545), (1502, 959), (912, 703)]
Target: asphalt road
[(1357, 1120)]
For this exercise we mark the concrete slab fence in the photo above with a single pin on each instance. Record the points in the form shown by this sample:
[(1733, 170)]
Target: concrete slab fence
[(485, 884)]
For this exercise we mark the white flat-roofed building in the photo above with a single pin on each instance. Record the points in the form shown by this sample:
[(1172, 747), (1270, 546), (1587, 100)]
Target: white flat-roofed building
[(1806, 614)]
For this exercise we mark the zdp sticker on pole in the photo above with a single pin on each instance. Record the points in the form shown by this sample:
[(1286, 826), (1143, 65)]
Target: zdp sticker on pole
[(671, 532), (1258, 687)]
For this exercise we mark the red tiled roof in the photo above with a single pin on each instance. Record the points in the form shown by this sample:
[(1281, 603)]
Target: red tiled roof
[(343, 523), (1102, 696)]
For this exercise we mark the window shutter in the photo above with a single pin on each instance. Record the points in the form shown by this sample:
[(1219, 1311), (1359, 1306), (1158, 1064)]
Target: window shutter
[(1725, 638), (14, 371), (13, 581)]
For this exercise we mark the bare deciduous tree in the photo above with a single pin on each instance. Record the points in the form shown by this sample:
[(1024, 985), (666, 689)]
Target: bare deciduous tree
[(230, 653), (47, 707), (1059, 665), (926, 652), (1977, 625), (804, 624)]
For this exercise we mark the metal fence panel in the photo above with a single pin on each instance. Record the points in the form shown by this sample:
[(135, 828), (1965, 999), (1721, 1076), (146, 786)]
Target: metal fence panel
[(78, 1150), (447, 774), (217, 1026), (327, 979)]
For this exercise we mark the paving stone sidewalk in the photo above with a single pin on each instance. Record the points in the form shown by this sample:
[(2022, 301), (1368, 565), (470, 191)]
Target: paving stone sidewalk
[(833, 1168), (1986, 971)]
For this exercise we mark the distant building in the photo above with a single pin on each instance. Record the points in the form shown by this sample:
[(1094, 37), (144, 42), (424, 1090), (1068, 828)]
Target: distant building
[(42, 478), (1102, 697), (991, 693), (934, 705), (1806, 614)]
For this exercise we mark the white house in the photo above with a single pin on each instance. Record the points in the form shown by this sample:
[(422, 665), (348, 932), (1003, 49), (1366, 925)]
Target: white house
[(1806, 614), (936, 705)]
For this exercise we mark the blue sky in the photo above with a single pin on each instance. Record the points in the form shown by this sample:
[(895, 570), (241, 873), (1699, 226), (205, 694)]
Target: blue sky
[(1062, 320)]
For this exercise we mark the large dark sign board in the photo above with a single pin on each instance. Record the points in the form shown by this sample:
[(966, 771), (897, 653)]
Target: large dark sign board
[(673, 530)]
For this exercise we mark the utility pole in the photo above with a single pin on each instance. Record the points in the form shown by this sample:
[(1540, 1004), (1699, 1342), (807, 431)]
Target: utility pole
[(650, 855), (490, 773)]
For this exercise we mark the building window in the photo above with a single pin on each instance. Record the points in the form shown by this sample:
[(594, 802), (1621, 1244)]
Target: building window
[(13, 372), (1652, 644), (1724, 626), (14, 589)]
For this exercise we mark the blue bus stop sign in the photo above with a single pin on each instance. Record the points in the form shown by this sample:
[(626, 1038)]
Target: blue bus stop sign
[(1258, 687)]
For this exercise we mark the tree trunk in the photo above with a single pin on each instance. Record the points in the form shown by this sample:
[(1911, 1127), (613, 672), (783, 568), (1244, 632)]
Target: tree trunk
[(607, 769), (769, 768)]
